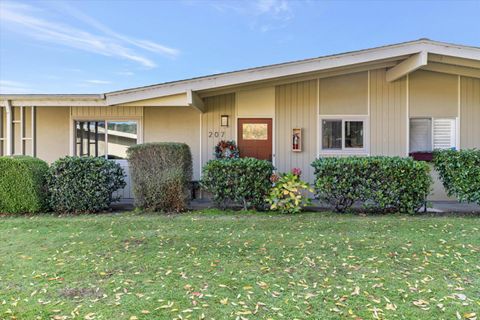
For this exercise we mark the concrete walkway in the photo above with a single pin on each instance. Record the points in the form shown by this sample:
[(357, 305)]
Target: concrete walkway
[(453, 206), (433, 207)]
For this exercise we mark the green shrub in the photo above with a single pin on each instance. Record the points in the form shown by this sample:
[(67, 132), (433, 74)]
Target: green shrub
[(161, 175), (383, 184), (460, 173), (288, 194), (243, 181), (83, 184), (22, 185)]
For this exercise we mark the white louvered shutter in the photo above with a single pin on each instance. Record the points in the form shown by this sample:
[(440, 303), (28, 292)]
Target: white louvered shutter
[(444, 133), (420, 135)]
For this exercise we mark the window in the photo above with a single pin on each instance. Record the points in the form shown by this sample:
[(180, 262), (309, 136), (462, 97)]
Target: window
[(353, 134), (255, 131), (109, 139), (332, 134), (343, 135), (428, 134)]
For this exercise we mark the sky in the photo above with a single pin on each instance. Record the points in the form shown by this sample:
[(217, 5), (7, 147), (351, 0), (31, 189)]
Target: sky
[(101, 46)]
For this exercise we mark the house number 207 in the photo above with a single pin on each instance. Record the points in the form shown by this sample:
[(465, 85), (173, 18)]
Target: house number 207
[(216, 134)]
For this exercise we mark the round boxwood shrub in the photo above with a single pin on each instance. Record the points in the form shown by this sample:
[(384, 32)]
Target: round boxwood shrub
[(460, 173), (243, 181), (161, 175), (83, 184), (22, 185), (382, 184)]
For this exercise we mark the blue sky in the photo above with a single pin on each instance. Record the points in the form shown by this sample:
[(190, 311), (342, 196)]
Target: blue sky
[(101, 46)]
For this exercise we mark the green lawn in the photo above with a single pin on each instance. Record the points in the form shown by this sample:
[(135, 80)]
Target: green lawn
[(233, 265)]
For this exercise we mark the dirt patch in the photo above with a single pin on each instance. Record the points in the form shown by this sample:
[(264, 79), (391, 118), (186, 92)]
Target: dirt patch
[(80, 293), (133, 242)]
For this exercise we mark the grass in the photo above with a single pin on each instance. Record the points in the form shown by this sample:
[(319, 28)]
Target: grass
[(227, 265)]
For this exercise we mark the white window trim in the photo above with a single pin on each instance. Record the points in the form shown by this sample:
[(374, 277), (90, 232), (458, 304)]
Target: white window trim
[(432, 119), (136, 119), (345, 151)]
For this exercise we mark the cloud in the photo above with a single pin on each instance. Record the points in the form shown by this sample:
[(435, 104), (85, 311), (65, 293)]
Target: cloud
[(35, 23), (125, 73), (274, 7), (144, 44), (94, 81), (13, 87), (262, 15)]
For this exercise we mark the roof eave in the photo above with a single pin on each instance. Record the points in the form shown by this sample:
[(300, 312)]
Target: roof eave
[(291, 68)]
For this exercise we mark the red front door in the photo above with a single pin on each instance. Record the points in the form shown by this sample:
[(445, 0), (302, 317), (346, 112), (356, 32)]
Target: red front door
[(255, 138)]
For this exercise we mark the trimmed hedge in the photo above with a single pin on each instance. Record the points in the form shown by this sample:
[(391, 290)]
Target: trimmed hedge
[(22, 185), (161, 174), (243, 181), (460, 173), (383, 184), (83, 184)]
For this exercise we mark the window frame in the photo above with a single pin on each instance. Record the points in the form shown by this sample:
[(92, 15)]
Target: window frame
[(432, 136), (347, 151), (73, 141)]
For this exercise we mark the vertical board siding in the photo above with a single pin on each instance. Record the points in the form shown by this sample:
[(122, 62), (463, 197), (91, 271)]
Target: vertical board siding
[(296, 107), (388, 113), (469, 113), (214, 108), (104, 112)]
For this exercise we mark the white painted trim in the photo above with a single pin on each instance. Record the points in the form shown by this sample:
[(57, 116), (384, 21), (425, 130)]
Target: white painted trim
[(407, 142), (318, 120), (9, 128), (345, 151), (200, 144), (193, 100), (459, 105), (235, 128), (452, 69), (73, 142), (2, 108), (451, 60), (34, 130), (274, 140), (22, 130), (105, 118), (368, 109), (432, 131), (50, 101), (368, 93), (407, 66)]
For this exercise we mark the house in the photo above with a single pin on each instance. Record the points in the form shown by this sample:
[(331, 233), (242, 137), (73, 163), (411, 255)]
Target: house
[(393, 100)]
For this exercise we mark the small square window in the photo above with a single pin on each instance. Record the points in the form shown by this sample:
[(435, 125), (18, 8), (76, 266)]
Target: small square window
[(344, 135)]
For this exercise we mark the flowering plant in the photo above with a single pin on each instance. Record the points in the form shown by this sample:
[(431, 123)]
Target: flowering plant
[(288, 194), (226, 150)]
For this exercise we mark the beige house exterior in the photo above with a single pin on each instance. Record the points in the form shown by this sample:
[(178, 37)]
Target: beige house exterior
[(391, 101)]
